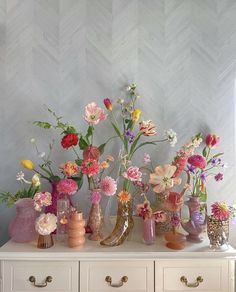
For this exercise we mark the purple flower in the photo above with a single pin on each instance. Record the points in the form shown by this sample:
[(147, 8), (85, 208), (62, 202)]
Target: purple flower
[(219, 176), (175, 220), (191, 168), (197, 217), (130, 136), (215, 161), (203, 176)]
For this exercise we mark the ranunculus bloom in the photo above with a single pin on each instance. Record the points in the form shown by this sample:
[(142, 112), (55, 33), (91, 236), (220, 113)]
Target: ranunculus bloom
[(136, 115), (94, 114), (220, 211), (69, 140), (180, 163), (163, 179), (28, 164), (212, 140), (108, 186), (173, 202), (90, 167), (45, 224), (67, 186), (147, 128), (124, 197), (108, 104), (133, 174), (69, 168), (197, 161), (91, 152)]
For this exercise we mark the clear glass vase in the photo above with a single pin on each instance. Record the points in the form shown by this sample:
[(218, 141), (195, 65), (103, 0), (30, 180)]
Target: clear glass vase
[(218, 233), (63, 206), (22, 227)]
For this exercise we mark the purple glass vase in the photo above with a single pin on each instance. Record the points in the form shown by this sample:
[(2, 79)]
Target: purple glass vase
[(196, 223), (22, 227), (149, 235)]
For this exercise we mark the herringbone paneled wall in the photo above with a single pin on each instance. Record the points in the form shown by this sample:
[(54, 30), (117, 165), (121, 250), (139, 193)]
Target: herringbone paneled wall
[(65, 53)]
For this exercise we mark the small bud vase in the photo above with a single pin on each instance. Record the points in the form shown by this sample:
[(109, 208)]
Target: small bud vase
[(45, 241), (218, 233), (76, 230), (95, 222), (149, 235)]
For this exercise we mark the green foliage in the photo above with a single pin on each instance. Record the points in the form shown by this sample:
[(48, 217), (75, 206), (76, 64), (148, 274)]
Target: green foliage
[(83, 144), (44, 125)]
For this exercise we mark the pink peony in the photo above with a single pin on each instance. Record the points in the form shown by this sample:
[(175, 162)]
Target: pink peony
[(69, 168), (212, 140), (220, 211), (108, 186), (197, 161), (90, 167), (133, 174), (96, 196), (67, 186), (94, 114)]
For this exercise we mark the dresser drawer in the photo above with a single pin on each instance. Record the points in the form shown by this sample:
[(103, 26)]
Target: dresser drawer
[(94, 276), (200, 275), (17, 274)]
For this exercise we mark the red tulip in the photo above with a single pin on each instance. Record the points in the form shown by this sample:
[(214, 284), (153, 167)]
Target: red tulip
[(108, 104), (212, 140)]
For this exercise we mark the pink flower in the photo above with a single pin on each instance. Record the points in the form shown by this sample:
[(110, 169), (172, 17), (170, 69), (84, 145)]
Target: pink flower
[(159, 216), (69, 168), (133, 174), (96, 196), (67, 186), (91, 152), (45, 224), (146, 159), (147, 128), (220, 211), (197, 161), (212, 140), (108, 186), (144, 210), (180, 163), (173, 202), (42, 199), (94, 114), (219, 176), (90, 167)]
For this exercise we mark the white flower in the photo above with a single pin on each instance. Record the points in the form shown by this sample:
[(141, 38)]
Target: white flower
[(45, 224), (171, 136), (20, 176), (146, 159), (196, 142), (32, 140), (120, 101), (41, 154), (35, 180)]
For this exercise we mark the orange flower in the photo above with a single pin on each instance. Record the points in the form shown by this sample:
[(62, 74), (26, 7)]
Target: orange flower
[(124, 197), (104, 165)]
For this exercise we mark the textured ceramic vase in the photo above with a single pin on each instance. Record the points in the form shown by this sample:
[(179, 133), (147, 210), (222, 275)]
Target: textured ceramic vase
[(22, 227), (149, 235), (195, 225), (45, 241), (123, 227), (76, 230), (218, 233), (95, 222)]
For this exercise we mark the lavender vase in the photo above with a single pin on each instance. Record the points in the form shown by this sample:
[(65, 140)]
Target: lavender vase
[(196, 224), (22, 227)]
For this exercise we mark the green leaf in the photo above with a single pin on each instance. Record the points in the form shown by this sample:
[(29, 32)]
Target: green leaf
[(117, 131), (204, 152), (79, 180), (70, 130), (203, 196), (130, 124), (90, 131), (217, 155), (44, 125), (79, 161), (82, 143), (143, 144), (132, 149), (101, 148)]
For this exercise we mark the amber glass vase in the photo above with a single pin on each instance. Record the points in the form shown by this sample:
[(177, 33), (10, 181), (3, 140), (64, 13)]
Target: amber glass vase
[(45, 241), (124, 225)]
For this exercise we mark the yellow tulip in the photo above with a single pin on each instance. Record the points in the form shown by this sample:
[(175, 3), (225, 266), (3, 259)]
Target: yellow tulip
[(28, 164), (136, 114)]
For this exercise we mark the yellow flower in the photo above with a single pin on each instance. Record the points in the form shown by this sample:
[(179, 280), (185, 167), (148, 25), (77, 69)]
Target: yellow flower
[(35, 180), (28, 164), (136, 114)]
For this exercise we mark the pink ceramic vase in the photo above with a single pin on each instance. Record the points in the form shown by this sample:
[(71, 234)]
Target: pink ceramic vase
[(22, 227), (76, 230), (149, 235)]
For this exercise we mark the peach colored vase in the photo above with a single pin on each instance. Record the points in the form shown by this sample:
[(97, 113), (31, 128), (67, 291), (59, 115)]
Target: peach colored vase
[(76, 230)]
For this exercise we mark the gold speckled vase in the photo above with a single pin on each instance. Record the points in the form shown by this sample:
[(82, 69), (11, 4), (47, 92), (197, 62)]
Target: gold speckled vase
[(218, 233)]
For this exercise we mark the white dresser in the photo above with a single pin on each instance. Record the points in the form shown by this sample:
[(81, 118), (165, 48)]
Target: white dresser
[(131, 267)]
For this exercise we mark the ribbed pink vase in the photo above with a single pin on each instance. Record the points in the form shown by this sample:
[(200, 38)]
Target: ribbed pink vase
[(149, 234), (22, 227)]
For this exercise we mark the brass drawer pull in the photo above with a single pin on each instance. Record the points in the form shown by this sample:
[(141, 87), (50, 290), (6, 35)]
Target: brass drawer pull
[(191, 285), (32, 279), (123, 280)]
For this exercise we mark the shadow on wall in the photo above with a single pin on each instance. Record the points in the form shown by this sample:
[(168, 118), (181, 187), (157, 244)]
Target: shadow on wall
[(6, 214)]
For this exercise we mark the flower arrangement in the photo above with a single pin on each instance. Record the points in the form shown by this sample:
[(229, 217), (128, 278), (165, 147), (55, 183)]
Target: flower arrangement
[(45, 224), (221, 211), (26, 192)]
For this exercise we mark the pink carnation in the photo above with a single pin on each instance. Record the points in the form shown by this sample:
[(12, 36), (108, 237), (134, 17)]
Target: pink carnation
[(133, 174), (108, 186), (42, 199), (67, 186), (197, 161), (90, 167)]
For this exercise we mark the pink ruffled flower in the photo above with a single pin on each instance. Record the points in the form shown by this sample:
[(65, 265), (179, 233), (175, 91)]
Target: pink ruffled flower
[(69, 168), (133, 174), (144, 210), (220, 211), (147, 128), (159, 216), (90, 167), (108, 186), (42, 199), (212, 140), (67, 186), (45, 224), (197, 161), (94, 114), (173, 202), (96, 196)]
